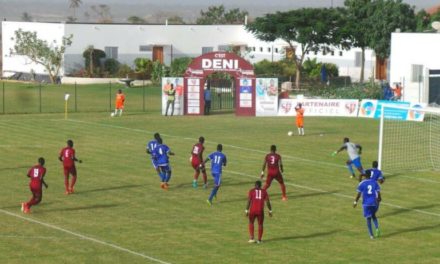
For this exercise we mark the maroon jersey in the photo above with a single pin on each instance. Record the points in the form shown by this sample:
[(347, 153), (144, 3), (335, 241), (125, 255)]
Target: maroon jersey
[(197, 152), (257, 197), (67, 154), (36, 173), (273, 164)]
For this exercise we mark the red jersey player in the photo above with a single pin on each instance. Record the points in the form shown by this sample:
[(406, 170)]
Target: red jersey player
[(196, 162), (255, 209), (36, 173), (67, 156), (274, 170)]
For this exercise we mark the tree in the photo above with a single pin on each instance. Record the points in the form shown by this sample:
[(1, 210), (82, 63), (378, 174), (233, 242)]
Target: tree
[(103, 13), (49, 55), (74, 4), (136, 20), (26, 17), (357, 25), (176, 20), (312, 28), (386, 17), (218, 15), (424, 20), (92, 58)]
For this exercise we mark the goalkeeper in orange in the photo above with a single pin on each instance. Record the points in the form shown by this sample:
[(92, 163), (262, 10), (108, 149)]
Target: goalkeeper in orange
[(119, 103), (300, 119)]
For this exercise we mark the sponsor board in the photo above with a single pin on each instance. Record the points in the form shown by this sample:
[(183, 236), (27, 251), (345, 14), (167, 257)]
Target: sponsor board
[(373, 109), (266, 97), (178, 102), (320, 107)]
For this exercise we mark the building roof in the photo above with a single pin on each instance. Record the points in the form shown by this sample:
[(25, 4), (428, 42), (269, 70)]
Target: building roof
[(432, 10)]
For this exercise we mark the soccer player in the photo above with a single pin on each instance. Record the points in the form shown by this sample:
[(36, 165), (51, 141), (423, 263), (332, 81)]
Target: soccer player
[(161, 153), (274, 170), (67, 156), (119, 103), (375, 173), (255, 209), (36, 173), (300, 119), (196, 161), (150, 150), (353, 151), (218, 160), (371, 198)]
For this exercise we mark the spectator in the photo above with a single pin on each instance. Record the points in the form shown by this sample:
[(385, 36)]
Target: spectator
[(207, 98), (397, 92)]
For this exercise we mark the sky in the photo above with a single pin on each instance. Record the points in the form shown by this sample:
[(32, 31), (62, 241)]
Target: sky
[(58, 10)]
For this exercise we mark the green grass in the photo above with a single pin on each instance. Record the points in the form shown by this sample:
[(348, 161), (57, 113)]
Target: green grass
[(119, 214), (47, 98)]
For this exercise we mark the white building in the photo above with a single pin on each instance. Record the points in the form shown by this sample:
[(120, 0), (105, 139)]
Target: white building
[(125, 42), (415, 63)]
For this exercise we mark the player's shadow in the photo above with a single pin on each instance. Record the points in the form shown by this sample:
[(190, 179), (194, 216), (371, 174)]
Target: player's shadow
[(14, 168), (305, 195), (234, 200), (312, 235), (406, 210), (110, 188), (409, 230), (94, 206), (42, 204)]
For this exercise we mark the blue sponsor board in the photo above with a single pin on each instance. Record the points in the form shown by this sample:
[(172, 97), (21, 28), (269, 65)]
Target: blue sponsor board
[(392, 113)]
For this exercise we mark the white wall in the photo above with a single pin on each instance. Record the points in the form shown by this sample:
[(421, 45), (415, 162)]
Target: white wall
[(413, 48), (15, 63), (177, 40)]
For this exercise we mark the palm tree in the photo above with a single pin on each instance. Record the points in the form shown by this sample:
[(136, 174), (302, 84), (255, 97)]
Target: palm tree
[(74, 4)]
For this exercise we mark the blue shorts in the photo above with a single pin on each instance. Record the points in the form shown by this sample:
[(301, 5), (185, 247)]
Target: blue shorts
[(154, 162), (356, 162), (217, 178), (370, 210), (164, 167)]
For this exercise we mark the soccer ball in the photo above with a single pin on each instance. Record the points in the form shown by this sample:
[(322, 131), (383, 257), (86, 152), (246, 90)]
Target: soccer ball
[(290, 133), (112, 114)]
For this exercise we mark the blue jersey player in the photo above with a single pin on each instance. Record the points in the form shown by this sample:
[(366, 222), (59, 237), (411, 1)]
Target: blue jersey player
[(150, 149), (218, 160), (160, 155), (370, 191), (376, 174)]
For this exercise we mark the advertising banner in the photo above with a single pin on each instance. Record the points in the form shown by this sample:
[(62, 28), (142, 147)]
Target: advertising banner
[(178, 96), (320, 107), (373, 109), (245, 98), (267, 97)]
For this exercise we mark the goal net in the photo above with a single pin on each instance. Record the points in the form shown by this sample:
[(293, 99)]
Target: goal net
[(411, 143)]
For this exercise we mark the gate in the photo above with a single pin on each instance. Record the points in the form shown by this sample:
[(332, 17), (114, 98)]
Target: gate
[(222, 93)]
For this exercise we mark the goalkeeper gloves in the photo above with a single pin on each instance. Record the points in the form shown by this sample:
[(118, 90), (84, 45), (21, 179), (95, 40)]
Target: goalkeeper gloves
[(334, 153)]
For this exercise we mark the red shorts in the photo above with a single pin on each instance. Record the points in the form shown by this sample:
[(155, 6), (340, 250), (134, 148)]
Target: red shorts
[(195, 163), (119, 105), (270, 177), (258, 215), (70, 170), (37, 190)]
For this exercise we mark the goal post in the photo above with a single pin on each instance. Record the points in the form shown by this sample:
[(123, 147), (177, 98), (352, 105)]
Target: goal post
[(409, 139)]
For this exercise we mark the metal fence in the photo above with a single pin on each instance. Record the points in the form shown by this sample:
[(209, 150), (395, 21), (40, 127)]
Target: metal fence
[(19, 98)]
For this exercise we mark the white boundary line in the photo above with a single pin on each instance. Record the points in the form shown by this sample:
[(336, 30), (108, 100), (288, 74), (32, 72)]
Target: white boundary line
[(84, 237)]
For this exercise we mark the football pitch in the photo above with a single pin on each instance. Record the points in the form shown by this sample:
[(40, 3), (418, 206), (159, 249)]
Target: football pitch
[(119, 213)]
